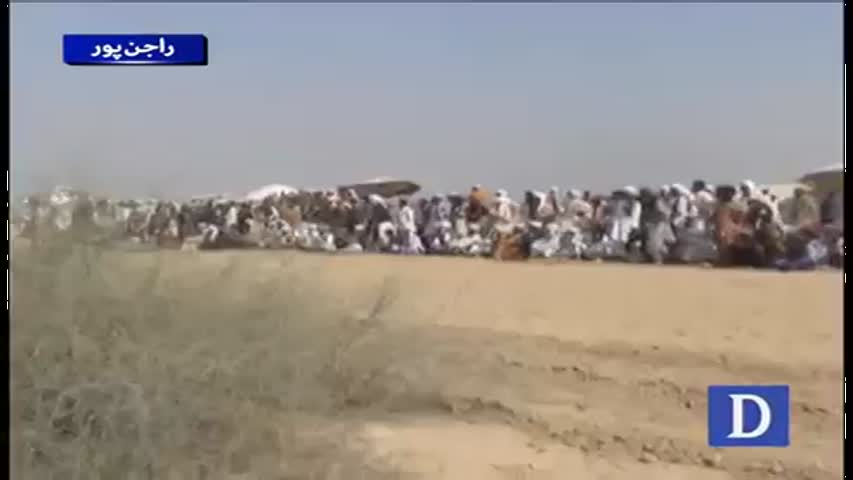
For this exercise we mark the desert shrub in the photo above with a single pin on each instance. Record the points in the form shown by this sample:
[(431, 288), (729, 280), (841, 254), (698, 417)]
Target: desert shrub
[(170, 365)]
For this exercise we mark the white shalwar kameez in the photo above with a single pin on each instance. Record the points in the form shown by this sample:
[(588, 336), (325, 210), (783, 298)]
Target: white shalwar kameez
[(626, 218)]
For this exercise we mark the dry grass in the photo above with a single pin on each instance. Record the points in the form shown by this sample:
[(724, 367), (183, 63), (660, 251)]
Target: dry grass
[(120, 372), (262, 365)]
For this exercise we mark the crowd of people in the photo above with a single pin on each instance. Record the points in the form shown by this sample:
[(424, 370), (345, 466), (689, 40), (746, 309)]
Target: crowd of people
[(722, 225)]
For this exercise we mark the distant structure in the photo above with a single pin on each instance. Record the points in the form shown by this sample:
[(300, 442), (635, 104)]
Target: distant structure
[(273, 189)]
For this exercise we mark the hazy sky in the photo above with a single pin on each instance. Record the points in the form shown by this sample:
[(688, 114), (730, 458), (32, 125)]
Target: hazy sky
[(508, 95)]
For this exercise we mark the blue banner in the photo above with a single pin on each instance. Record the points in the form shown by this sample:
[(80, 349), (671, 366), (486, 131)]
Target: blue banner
[(134, 49)]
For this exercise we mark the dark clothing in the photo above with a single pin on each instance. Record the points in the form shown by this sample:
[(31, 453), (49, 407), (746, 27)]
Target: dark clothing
[(657, 234), (655, 209), (82, 214), (82, 220), (475, 210), (832, 209), (379, 214), (531, 203)]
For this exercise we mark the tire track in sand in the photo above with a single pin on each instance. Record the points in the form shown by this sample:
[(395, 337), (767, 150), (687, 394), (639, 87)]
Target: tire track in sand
[(617, 401)]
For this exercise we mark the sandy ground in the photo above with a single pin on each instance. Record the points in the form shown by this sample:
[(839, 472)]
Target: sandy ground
[(498, 371), (590, 371)]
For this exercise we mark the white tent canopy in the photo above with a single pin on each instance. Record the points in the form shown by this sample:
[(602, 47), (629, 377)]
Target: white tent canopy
[(273, 189), (834, 168), (383, 186)]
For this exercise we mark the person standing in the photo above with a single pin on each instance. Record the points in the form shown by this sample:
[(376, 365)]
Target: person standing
[(406, 217), (503, 207), (625, 215), (832, 210), (655, 225), (34, 220), (378, 215), (805, 209), (704, 203)]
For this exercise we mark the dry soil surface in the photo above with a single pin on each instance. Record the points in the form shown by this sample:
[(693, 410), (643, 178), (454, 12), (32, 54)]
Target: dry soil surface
[(586, 371)]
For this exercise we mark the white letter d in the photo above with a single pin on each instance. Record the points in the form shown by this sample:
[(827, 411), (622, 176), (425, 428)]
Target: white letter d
[(737, 416)]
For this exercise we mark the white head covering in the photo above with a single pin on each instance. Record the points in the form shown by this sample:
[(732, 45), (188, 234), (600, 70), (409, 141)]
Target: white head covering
[(704, 196), (765, 199), (631, 190), (681, 189), (749, 185), (375, 199), (574, 193)]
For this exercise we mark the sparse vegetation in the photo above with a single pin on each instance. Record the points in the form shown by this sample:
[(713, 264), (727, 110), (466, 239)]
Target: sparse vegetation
[(121, 369), (259, 365)]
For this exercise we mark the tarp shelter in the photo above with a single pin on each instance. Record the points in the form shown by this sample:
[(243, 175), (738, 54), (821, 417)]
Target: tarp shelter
[(825, 179), (384, 187)]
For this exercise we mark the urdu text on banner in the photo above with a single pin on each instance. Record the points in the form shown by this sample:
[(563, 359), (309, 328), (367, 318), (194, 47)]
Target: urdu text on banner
[(134, 49)]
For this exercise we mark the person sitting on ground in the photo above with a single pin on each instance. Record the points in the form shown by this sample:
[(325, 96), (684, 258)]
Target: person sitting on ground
[(477, 206), (733, 235), (769, 236), (812, 252)]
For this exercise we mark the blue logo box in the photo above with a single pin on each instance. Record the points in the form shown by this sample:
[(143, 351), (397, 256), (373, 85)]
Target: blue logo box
[(134, 49), (749, 415)]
